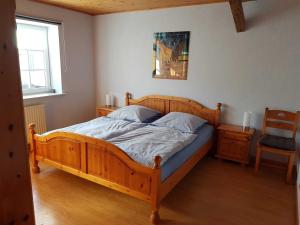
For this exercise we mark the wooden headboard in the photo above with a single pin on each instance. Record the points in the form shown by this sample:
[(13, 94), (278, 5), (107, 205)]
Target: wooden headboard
[(166, 104)]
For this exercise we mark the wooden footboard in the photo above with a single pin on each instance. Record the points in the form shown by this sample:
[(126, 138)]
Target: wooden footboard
[(95, 160)]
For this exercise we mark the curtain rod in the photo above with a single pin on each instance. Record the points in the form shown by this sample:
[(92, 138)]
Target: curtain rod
[(20, 16)]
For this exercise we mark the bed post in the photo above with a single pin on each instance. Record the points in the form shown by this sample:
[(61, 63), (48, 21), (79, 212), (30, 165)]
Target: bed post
[(127, 97), (218, 114), (155, 198), (217, 118), (35, 164)]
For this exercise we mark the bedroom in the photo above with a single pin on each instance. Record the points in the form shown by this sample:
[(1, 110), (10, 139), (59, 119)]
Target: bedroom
[(245, 71)]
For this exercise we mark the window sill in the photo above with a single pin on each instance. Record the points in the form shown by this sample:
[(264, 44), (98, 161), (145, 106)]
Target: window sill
[(45, 95)]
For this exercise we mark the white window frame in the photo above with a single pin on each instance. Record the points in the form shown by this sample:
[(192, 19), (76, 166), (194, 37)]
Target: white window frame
[(40, 24)]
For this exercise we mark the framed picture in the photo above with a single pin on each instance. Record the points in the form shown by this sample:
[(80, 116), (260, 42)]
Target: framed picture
[(171, 55)]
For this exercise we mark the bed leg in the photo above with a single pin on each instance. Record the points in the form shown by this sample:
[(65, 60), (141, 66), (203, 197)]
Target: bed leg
[(155, 201), (35, 167), (154, 217), (35, 164)]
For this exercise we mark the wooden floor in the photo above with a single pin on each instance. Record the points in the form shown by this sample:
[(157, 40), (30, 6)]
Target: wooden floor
[(214, 193)]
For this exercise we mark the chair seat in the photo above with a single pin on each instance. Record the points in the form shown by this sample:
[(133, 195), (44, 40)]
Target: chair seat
[(283, 143)]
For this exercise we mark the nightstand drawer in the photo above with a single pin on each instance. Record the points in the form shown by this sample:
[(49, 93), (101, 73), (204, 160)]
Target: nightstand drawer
[(235, 136), (233, 149)]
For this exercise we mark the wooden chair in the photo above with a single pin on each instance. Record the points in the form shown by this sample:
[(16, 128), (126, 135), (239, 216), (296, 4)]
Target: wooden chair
[(284, 146)]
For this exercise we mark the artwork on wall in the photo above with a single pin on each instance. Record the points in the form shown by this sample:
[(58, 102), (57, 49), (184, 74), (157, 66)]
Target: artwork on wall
[(171, 55)]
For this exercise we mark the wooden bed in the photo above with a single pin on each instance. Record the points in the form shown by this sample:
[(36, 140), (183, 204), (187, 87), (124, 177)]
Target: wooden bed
[(104, 163)]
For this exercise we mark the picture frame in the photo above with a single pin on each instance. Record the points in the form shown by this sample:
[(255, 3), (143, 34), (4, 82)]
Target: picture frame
[(171, 55)]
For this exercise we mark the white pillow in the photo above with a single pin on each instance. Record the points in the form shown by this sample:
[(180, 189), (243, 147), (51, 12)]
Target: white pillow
[(134, 113), (183, 122)]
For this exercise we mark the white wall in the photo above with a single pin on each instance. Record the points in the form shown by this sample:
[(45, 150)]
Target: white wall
[(246, 71), (78, 71)]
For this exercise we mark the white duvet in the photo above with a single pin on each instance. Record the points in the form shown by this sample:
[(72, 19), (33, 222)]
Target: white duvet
[(145, 143), (102, 128)]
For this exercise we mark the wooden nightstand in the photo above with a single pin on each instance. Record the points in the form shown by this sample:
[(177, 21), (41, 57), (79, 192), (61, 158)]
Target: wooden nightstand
[(234, 143), (104, 110)]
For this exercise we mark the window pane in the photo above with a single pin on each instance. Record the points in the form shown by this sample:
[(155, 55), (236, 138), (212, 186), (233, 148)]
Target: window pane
[(23, 57), (25, 79), (31, 37), (37, 60), (38, 79)]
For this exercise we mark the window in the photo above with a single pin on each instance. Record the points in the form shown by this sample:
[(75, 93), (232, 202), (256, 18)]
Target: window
[(39, 56)]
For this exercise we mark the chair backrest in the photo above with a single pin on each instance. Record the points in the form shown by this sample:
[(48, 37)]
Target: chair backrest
[(282, 120)]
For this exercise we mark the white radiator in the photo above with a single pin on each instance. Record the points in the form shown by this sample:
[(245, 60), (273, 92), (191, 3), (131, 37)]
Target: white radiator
[(35, 114)]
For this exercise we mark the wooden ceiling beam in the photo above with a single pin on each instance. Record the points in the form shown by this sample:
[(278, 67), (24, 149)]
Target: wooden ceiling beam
[(238, 15)]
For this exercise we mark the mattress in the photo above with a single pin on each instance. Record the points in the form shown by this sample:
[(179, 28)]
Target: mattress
[(177, 160)]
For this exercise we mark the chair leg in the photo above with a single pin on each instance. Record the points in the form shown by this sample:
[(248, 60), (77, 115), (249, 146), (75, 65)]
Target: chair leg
[(291, 162), (258, 158)]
